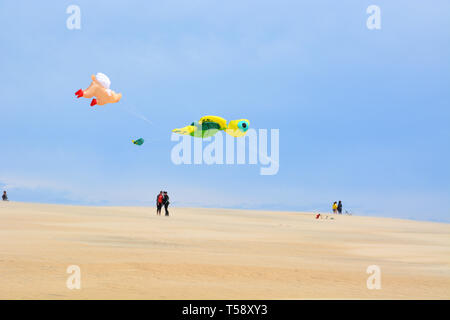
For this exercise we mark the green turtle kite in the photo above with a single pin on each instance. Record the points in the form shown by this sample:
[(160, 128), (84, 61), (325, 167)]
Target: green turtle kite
[(208, 126), (138, 142)]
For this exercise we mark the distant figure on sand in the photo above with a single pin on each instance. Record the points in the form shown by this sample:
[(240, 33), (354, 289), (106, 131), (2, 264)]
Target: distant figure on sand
[(339, 207), (166, 203), (159, 203), (4, 196), (335, 207)]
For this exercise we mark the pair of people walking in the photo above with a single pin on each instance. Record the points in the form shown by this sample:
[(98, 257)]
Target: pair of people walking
[(337, 207), (162, 200), (4, 196)]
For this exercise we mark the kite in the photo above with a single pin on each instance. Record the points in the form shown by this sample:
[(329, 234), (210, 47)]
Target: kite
[(99, 88), (208, 126), (138, 142)]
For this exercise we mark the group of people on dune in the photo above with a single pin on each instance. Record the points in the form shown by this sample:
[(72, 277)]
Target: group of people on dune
[(162, 200), (337, 207)]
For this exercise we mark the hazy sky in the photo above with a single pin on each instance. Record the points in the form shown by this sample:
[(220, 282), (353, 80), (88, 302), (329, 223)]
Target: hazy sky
[(363, 114)]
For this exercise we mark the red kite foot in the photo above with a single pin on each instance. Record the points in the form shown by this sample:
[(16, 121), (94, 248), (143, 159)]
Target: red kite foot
[(93, 102), (79, 93)]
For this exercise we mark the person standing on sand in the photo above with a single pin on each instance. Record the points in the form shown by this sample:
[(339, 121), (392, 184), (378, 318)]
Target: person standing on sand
[(4, 196), (335, 207), (159, 203), (339, 207), (166, 203)]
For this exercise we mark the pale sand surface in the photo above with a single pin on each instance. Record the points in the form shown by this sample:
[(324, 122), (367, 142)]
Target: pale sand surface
[(130, 253)]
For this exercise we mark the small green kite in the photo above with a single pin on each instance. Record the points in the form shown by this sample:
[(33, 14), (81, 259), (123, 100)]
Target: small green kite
[(138, 142)]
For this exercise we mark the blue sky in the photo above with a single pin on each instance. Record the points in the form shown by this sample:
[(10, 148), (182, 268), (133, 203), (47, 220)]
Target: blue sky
[(363, 114)]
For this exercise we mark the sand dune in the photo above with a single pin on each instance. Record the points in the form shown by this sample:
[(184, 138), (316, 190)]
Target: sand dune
[(130, 253)]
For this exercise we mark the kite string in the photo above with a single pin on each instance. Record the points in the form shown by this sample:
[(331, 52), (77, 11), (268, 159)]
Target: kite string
[(137, 115)]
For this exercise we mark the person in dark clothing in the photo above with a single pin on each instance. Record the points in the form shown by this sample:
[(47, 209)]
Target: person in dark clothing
[(159, 203), (339, 207), (166, 202), (4, 196)]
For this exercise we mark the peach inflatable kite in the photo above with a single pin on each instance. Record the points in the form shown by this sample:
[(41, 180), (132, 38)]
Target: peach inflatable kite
[(99, 88)]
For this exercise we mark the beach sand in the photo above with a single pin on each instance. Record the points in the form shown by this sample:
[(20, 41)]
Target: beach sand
[(130, 253)]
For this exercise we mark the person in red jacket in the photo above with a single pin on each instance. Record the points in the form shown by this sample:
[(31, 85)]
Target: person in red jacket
[(159, 203)]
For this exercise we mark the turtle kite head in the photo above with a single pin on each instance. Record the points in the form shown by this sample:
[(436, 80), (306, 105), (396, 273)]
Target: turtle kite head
[(238, 128)]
